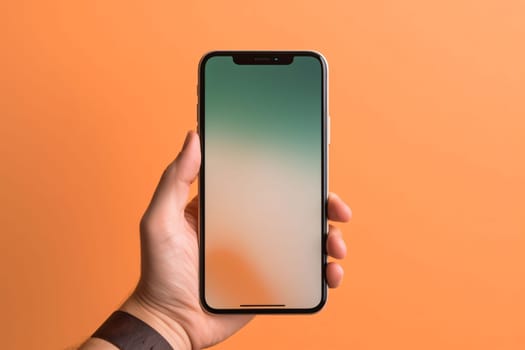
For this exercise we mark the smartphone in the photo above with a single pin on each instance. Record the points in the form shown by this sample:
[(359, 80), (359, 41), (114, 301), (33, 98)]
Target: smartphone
[(263, 125)]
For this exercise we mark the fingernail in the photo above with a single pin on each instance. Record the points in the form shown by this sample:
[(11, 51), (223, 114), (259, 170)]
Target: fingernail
[(186, 140)]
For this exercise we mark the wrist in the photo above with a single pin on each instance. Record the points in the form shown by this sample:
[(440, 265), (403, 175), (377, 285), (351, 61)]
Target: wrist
[(170, 329)]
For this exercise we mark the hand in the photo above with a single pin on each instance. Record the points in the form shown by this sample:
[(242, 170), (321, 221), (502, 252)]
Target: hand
[(167, 296)]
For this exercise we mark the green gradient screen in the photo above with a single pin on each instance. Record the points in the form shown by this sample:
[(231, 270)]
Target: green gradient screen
[(263, 171)]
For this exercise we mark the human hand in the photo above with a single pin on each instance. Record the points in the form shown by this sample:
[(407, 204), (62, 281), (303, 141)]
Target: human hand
[(167, 295)]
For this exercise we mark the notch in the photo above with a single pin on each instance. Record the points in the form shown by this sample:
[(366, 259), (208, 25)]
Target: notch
[(267, 58)]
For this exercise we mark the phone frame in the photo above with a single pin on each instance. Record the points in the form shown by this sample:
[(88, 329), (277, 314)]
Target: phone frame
[(324, 180)]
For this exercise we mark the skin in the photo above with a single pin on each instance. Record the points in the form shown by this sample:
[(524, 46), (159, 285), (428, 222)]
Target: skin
[(167, 295)]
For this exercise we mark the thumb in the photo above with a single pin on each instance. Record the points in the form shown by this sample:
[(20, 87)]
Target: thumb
[(173, 189)]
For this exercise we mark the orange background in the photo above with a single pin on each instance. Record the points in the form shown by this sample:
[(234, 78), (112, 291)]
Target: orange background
[(428, 144)]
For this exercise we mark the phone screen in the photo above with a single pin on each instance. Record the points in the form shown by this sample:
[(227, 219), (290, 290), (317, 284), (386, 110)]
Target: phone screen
[(262, 184)]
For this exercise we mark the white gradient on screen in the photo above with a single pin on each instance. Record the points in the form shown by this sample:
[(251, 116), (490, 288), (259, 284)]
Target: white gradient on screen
[(260, 202)]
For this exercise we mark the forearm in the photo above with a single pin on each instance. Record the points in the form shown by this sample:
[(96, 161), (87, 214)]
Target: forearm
[(97, 344)]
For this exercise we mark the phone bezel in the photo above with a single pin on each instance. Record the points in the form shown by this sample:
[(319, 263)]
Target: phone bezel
[(324, 193)]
